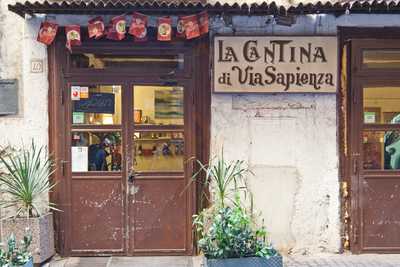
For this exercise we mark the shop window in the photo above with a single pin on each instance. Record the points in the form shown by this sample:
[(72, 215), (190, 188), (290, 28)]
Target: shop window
[(158, 151), (381, 58), (381, 150), (96, 151), (96, 105), (382, 105), (158, 105), (104, 61)]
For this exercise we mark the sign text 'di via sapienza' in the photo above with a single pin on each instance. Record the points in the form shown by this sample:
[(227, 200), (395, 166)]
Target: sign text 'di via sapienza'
[(275, 64)]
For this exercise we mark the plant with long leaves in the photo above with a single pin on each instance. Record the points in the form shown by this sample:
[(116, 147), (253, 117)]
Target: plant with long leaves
[(25, 179), (227, 177)]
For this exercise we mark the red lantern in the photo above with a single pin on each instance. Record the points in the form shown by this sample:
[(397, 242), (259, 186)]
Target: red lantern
[(138, 27), (191, 26), (73, 34), (117, 29), (96, 28), (203, 22), (164, 27), (47, 32)]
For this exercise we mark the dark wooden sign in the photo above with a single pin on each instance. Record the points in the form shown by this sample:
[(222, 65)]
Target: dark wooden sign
[(96, 103)]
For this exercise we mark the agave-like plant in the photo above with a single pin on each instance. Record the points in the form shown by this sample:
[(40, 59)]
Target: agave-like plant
[(25, 179), (227, 177)]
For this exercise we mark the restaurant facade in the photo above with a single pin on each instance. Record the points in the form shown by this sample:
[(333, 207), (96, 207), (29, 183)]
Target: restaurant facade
[(307, 95)]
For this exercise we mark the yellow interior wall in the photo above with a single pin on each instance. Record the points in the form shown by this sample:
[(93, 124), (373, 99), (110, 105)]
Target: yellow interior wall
[(385, 98)]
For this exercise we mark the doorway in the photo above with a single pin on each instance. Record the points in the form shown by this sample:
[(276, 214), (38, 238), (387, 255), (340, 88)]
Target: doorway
[(374, 163), (127, 128)]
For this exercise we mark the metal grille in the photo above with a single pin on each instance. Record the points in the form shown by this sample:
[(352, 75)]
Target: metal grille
[(275, 261)]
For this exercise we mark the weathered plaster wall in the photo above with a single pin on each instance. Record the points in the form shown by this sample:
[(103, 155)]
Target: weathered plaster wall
[(17, 48), (289, 141)]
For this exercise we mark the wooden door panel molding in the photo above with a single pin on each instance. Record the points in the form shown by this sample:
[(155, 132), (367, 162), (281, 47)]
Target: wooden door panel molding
[(97, 217)]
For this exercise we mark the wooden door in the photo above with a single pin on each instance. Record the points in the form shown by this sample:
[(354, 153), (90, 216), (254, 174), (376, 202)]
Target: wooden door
[(95, 148), (118, 196), (160, 141), (375, 146)]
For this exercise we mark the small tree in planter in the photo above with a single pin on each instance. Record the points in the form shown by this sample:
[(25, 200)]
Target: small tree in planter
[(24, 181), (227, 233), (12, 255)]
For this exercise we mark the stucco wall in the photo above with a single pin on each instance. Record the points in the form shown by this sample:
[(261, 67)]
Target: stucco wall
[(17, 48)]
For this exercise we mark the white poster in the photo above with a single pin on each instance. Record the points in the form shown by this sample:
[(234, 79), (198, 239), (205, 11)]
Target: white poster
[(259, 64), (79, 158)]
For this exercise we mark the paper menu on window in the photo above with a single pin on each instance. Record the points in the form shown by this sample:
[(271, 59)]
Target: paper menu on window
[(79, 158)]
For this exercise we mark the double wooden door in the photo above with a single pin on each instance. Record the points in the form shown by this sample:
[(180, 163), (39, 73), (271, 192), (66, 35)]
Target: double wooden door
[(375, 145), (127, 146)]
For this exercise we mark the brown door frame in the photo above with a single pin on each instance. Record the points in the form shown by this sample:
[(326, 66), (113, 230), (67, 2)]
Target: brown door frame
[(348, 106), (198, 53)]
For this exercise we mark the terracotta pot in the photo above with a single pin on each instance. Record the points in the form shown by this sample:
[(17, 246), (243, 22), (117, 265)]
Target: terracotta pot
[(42, 231)]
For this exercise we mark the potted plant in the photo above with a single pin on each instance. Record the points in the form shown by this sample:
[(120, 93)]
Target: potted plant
[(227, 231), (12, 255), (24, 184)]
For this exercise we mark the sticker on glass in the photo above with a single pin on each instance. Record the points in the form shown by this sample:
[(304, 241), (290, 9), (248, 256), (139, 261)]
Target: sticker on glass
[(75, 92)]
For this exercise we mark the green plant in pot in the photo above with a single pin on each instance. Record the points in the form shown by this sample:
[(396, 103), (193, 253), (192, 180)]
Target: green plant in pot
[(13, 255), (227, 231), (25, 181)]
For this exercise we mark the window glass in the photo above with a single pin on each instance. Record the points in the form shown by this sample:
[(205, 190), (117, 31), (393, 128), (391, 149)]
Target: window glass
[(99, 61), (158, 105), (381, 58), (158, 151), (96, 105), (381, 150), (382, 105), (96, 151)]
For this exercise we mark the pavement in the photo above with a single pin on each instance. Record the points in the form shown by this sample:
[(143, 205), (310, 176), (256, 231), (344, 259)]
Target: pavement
[(323, 260)]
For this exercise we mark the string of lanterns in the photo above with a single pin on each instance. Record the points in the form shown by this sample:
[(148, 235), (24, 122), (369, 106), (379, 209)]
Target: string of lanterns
[(188, 27)]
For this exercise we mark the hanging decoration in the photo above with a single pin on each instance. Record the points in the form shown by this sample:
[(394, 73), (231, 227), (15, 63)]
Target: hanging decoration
[(187, 27), (47, 32), (191, 27), (164, 29), (96, 28), (73, 34), (180, 28), (117, 29), (203, 22), (138, 27)]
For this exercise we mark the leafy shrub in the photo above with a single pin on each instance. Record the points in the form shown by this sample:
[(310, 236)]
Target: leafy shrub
[(227, 229), (12, 255)]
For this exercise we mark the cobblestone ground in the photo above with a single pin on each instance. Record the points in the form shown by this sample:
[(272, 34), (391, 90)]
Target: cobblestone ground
[(368, 260)]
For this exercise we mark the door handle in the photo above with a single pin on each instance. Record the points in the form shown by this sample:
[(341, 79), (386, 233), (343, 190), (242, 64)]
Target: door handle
[(131, 176), (63, 163)]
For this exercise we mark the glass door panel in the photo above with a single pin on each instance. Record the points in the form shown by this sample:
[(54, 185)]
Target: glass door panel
[(381, 134), (158, 151), (158, 105)]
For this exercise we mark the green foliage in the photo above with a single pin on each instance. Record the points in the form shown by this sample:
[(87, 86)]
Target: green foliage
[(12, 255), (227, 229), (25, 178)]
